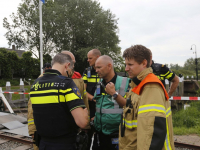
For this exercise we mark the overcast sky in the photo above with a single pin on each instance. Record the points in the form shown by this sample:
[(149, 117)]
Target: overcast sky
[(167, 27)]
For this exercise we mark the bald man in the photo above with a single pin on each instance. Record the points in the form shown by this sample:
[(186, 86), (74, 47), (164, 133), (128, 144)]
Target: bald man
[(91, 79), (77, 78), (108, 106)]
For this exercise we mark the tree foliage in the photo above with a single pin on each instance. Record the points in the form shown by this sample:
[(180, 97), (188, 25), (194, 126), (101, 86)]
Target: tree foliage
[(74, 25), (11, 64)]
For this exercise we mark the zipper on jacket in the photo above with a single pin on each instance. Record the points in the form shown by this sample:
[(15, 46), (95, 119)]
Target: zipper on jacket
[(101, 113)]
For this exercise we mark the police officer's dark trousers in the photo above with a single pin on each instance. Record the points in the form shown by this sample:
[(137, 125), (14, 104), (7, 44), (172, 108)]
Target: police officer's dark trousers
[(103, 142), (56, 145)]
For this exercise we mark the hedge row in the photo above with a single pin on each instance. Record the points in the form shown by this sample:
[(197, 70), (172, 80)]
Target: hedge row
[(11, 65)]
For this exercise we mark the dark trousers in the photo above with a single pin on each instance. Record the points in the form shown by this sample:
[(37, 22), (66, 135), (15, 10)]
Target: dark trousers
[(104, 142), (44, 145)]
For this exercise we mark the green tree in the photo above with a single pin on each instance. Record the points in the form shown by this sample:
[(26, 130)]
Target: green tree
[(74, 25), (190, 64), (175, 67)]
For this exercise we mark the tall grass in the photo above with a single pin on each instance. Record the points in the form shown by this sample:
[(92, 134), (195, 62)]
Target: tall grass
[(187, 121)]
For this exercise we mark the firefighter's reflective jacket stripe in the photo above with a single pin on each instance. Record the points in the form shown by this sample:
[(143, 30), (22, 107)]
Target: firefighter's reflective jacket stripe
[(31, 121), (158, 108), (146, 120)]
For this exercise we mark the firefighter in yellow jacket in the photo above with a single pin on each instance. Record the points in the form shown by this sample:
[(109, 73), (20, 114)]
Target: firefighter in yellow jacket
[(76, 77), (146, 122)]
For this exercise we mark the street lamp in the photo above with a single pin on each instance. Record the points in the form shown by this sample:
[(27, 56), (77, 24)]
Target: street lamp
[(195, 60)]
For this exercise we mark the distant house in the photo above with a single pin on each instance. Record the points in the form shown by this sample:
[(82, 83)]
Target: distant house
[(19, 52)]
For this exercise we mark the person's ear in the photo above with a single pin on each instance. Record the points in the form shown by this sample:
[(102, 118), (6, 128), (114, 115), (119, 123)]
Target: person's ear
[(144, 63)]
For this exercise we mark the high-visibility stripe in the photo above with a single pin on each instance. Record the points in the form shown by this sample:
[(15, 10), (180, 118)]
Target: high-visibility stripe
[(165, 74), (168, 112), (44, 91), (167, 141), (85, 77), (31, 121), (53, 98), (109, 111), (130, 124), (169, 76), (151, 107), (93, 80), (84, 92)]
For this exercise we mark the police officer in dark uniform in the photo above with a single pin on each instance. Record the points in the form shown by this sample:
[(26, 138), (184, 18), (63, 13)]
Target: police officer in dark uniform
[(57, 106), (91, 79), (163, 72)]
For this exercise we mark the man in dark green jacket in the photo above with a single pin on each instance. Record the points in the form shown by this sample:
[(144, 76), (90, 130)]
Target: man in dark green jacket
[(108, 108)]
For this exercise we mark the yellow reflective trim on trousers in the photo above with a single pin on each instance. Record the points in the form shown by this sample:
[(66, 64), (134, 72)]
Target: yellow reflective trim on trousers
[(151, 107), (93, 80), (167, 141), (130, 124)]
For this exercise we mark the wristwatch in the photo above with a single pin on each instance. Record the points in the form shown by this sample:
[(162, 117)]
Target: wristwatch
[(115, 95)]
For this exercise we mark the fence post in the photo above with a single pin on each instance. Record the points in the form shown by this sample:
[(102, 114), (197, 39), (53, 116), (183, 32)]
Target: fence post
[(22, 96), (8, 89), (167, 84), (181, 86)]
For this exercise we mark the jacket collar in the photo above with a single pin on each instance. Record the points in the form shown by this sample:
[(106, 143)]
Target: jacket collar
[(52, 71), (136, 80)]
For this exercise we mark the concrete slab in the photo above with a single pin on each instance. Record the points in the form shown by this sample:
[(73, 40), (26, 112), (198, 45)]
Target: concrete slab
[(13, 125), (20, 131), (6, 117), (3, 114)]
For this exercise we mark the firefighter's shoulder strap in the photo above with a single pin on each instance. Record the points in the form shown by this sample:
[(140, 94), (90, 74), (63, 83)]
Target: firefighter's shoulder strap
[(150, 78)]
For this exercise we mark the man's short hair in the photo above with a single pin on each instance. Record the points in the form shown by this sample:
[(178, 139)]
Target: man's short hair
[(47, 65), (138, 53), (96, 52), (61, 59)]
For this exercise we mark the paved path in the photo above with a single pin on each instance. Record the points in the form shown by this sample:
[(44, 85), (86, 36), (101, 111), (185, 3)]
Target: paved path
[(189, 139)]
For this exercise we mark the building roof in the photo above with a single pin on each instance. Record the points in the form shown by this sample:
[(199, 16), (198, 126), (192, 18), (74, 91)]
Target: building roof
[(19, 52)]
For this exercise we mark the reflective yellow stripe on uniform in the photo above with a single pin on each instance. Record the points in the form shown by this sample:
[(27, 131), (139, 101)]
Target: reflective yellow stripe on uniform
[(167, 75), (46, 99), (151, 107), (168, 112), (31, 121), (158, 108), (130, 124), (167, 141), (84, 92), (93, 80), (85, 77)]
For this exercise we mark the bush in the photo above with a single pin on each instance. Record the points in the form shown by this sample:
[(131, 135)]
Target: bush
[(189, 117)]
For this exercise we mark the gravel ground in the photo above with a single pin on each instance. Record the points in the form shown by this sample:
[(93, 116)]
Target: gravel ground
[(176, 138)]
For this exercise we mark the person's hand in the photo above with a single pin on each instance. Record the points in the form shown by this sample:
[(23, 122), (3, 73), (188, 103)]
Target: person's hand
[(110, 88), (86, 111), (92, 118)]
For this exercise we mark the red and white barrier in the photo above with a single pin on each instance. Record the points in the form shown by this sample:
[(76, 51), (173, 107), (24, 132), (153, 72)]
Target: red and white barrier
[(184, 98), (14, 92)]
